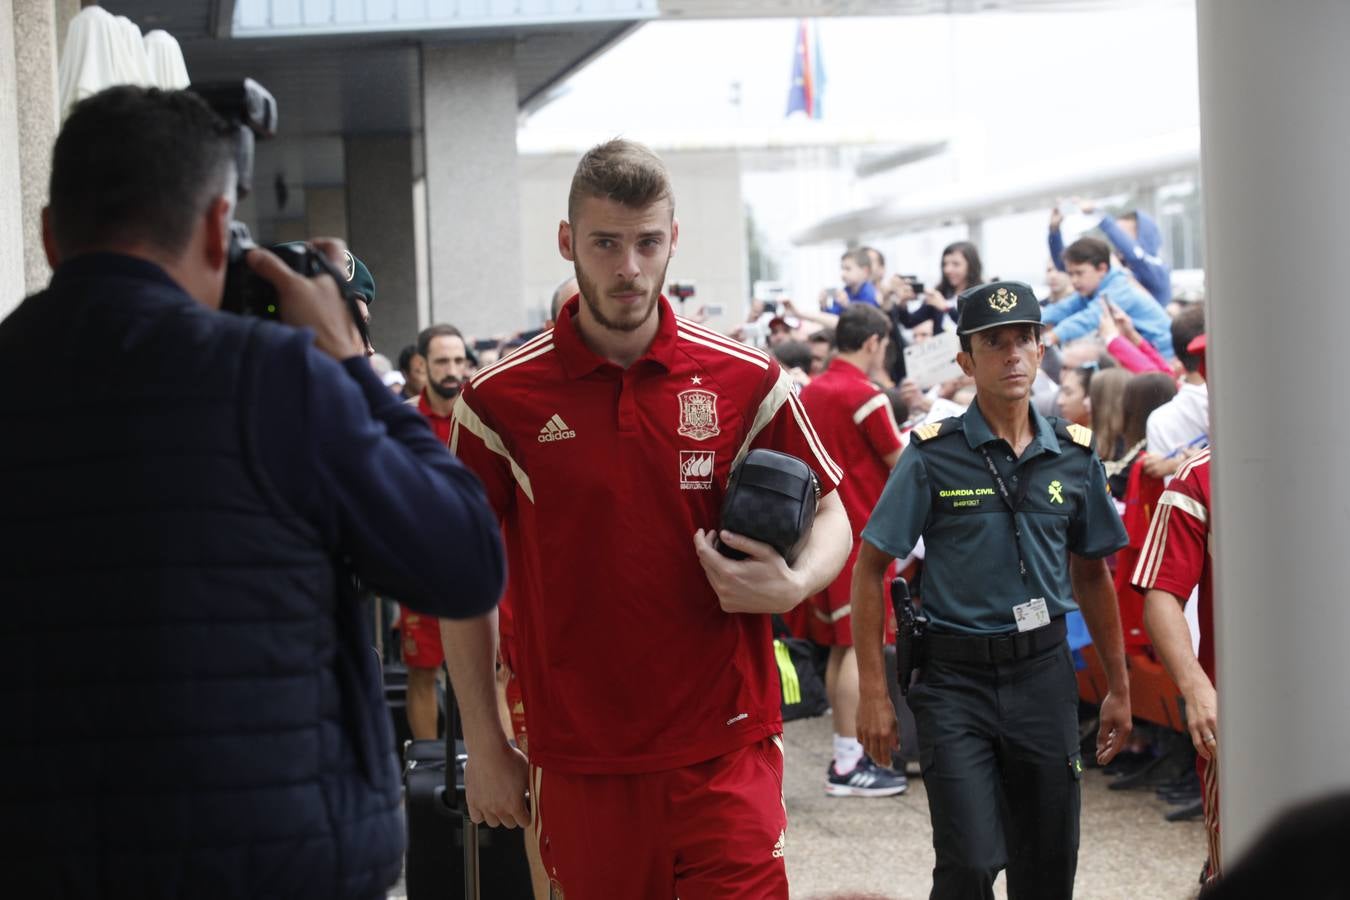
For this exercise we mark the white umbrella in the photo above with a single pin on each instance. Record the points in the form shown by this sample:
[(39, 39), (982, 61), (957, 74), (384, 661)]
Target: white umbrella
[(167, 68), (131, 61), (103, 50), (89, 61)]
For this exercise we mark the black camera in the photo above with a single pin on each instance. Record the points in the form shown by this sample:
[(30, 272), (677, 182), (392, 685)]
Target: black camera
[(251, 112), (682, 290)]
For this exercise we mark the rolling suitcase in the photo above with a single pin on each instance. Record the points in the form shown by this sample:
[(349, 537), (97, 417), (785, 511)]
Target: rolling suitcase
[(450, 858)]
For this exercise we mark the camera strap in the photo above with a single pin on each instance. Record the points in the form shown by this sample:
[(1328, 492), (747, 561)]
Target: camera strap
[(1012, 501)]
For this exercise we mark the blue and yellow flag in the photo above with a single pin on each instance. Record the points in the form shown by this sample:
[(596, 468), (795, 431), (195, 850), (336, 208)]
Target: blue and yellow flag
[(808, 75)]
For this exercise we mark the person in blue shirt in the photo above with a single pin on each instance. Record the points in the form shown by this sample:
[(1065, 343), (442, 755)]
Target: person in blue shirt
[(1088, 262), (1136, 238), (855, 270)]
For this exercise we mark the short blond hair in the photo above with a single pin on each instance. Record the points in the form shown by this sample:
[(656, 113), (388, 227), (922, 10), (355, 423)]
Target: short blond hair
[(623, 171)]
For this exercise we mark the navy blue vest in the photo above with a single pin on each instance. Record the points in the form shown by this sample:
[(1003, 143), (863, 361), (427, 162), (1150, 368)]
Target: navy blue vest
[(189, 699)]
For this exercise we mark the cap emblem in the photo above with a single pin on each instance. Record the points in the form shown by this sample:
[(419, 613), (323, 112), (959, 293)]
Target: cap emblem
[(1003, 300), (349, 264)]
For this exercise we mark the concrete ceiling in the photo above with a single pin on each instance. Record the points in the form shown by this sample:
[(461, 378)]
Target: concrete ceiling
[(334, 85), (369, 80), (375, 72)]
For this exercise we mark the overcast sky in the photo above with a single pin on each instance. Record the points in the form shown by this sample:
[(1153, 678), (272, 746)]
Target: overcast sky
[(1013, 90), (1136, 62)]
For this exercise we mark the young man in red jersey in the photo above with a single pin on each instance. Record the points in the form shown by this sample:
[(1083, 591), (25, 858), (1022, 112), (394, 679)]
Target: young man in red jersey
[(859, 431), (1177, 559), (442, 347), (446, 367), (651, 693)]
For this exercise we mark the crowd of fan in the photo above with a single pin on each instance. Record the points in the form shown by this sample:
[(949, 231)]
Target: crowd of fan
[(1117, 362)]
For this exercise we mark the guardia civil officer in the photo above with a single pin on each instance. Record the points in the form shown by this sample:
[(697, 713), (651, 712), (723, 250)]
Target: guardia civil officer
[(1014, 512)]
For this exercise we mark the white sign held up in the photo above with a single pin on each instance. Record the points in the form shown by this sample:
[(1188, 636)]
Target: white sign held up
[(933, 361)]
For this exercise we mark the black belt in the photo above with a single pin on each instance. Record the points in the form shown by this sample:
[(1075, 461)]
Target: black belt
[(971, 648)]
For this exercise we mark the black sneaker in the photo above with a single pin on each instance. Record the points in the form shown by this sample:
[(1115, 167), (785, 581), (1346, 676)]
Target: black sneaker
[(866, 780)]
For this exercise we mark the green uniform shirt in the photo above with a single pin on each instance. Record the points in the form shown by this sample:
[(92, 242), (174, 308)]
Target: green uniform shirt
[(941, 490)]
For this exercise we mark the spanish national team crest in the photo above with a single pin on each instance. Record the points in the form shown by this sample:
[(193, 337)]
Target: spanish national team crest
[(698, 415)]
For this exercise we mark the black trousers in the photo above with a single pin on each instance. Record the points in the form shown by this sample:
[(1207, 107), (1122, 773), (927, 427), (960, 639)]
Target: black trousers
[(998, 743)]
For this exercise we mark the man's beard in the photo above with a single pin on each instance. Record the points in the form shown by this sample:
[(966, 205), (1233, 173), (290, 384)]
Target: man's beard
[(591, 293), (446, 390)]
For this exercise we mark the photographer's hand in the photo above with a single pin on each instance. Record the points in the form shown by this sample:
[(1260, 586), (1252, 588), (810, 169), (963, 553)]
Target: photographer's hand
[(312, 302)]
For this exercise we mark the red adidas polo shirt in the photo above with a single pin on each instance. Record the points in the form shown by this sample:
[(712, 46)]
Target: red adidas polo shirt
[(858, 428), (601, 476), (505, 621), (1176, 556), (439, 424)]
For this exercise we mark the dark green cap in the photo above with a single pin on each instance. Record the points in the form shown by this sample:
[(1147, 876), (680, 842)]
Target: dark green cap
[(358, 276), (997, 303)]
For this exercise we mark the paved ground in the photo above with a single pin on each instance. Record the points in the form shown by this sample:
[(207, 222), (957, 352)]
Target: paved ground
[(883, 847)]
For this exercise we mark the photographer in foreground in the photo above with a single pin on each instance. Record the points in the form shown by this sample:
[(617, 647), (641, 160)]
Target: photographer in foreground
[(192, 701)]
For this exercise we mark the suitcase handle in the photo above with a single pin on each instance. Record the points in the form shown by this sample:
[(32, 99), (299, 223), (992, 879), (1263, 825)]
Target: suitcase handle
[(452, 799)]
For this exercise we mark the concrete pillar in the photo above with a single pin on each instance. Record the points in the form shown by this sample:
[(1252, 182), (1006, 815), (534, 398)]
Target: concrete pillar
[(473, 216), (1276, 187), (326, 211), (381, 232), (11, 181), (65, 11), (35, 28)]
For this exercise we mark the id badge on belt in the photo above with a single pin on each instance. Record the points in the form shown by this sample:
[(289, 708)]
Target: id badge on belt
[(1031, 615)]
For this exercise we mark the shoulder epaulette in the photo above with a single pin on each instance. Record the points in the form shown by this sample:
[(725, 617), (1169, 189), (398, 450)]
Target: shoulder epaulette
[(935, 429), (1074, 433)]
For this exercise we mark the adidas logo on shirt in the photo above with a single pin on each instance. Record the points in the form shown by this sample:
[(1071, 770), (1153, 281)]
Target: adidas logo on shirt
[(555, 429), (779, 847)]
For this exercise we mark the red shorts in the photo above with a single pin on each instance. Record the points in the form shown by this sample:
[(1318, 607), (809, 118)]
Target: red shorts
[(421, 636), (715, 829), (828, 616)]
